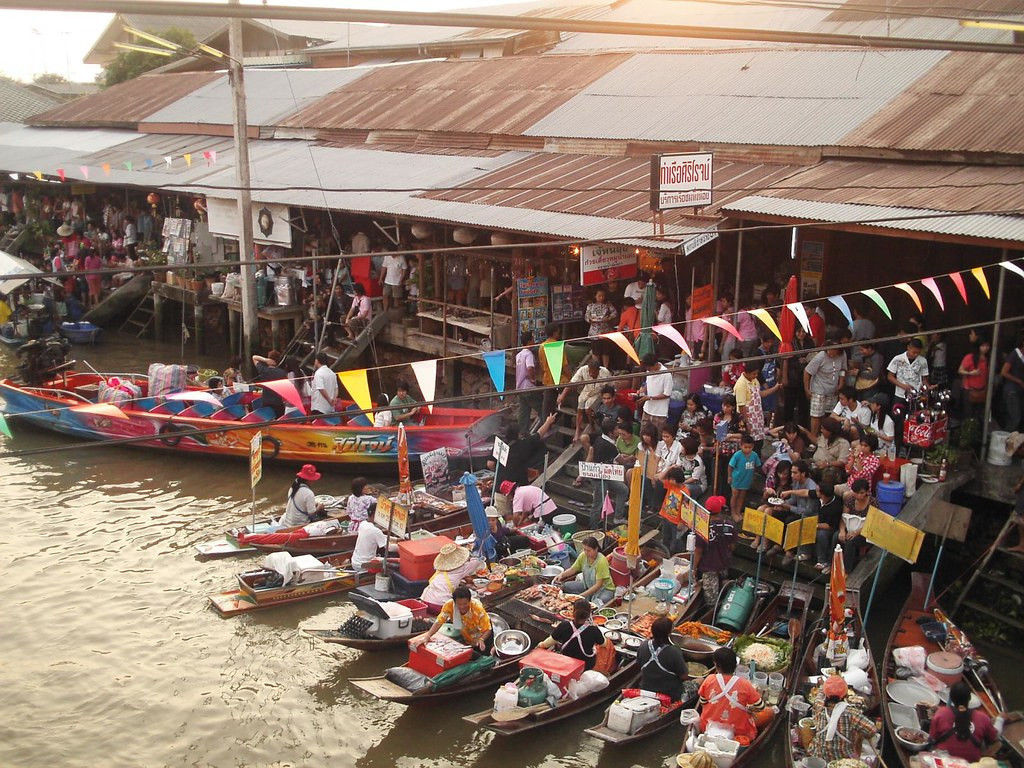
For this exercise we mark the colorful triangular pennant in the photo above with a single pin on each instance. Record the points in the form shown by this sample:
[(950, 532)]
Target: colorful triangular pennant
[(929, 283), (876, 297), (840, 303), (554, 351), (106, 169), (426, 376), (358, 386), (801, 314), (766, 318), (905, 287), (979, 275), (188, 159), (495, 361), (1009, 265), (4, 428), (958, 281), (60, 172)]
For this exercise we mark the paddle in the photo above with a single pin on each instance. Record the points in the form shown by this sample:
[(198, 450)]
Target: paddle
[(794, 629), (518, 713)]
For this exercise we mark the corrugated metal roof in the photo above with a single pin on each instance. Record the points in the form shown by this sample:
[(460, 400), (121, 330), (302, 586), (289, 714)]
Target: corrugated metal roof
[(984, 226), (126, 104), (504, 95), (970, 102), (291, 165), (792, 97), (270, 94), (933, 186), (18, 102), (25, 149), (860, 9), (612, 187)]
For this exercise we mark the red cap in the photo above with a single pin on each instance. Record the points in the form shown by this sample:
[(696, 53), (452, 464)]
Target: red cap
[(715, 504)]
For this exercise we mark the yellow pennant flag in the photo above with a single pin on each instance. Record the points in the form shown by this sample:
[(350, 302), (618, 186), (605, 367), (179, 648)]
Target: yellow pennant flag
[(38, 174), (623, 343), (768, 320), (188, 159), (979, 275), (358, 386)]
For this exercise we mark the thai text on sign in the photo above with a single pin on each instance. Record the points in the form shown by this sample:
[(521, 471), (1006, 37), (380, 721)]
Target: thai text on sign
[(681, 181), (255, 459), (594, 471), (892, 535), (801, 533), (603, 262), (382, 516), (760, 524)]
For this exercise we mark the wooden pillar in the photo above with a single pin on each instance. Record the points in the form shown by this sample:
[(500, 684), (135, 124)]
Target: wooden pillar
[(200, 321), (158, 316), (233, 318)]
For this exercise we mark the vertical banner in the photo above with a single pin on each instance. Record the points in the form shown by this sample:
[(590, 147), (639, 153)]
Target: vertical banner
[(426, 377), (496, 367), (256, 459), (358, 386)]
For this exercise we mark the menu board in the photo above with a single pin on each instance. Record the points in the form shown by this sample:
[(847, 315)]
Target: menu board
[(892, 535), (533, 306), (758, 523), (568, 303)]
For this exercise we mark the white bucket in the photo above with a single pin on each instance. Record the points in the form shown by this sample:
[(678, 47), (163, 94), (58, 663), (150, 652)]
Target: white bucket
[(217, 289), (382, 582), (997, 449), (908, 476)]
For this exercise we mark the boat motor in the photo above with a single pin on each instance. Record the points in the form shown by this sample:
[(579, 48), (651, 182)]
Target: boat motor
[(41, 359), (737, 606)]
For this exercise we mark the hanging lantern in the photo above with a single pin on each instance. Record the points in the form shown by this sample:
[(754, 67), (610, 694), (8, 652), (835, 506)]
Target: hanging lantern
[(421, 230), (153, 199), (501, 238), (463, 235)]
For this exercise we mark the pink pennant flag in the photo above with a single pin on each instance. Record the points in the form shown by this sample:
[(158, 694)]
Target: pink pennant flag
[(958, 281), (724, 324), (912, 294), (286, 389), (607, 508), (100, 409), (979, 275), (929, 283), (622, 343), (669, 332), (60, 172), (196, 396), (210, 155), (85, 171), (426, 376), (800, 314)]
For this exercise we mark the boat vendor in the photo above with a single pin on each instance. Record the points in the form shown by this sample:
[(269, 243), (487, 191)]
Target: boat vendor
[(302, 507), (452, 564), (729, 704), (506, 540), (530, 504), (578, 638), (961, 731), (595, 576), (662, 666), (839, 728), (466, 614), (369, 541)]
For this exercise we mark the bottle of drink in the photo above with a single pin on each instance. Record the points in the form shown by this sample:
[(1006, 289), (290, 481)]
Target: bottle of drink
[(942, 471), (886, 477)]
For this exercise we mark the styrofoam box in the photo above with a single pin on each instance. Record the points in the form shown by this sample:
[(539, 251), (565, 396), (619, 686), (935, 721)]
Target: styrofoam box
[(630, 715)]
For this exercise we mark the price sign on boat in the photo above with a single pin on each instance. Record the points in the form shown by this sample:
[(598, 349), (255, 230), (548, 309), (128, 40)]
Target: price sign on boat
[(256, 459), (594, 471), (399, 520), (382, 517), (500, 452)]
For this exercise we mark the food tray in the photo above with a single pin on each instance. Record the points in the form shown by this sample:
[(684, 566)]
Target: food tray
[(901, 715)]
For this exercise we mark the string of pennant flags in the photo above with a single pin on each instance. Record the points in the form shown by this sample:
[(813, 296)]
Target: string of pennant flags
[(209, 155)]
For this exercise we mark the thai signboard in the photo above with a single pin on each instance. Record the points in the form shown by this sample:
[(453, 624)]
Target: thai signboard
[(606, 261), (681, 181)]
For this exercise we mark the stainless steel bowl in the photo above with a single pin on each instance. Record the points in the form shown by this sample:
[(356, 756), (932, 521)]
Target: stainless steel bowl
[(511, 643), (695, 650)]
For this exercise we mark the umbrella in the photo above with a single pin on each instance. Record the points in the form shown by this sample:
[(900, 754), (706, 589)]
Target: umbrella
[(196, 395), (485, 544), (636, 500), (404, 483), (787, 320), (837, 603), (286, 389), (12, 265), (648, 313)]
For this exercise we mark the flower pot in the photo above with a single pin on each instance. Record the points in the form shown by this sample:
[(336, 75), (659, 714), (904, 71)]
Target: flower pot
[(196, 285)]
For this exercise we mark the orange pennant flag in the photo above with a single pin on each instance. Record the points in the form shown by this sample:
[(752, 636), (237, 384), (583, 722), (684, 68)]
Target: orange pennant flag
[(106, 169), (912, 294), (623, 343)]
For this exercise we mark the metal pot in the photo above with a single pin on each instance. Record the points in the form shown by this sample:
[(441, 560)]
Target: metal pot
[(511, 643)]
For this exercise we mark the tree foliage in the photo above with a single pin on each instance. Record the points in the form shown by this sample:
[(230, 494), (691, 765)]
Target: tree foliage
[(49, 78), (130, 64)]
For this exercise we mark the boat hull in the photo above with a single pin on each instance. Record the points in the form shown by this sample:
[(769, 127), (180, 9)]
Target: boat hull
[(462, 432)]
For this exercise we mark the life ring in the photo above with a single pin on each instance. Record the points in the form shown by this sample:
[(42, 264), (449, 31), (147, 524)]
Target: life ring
[(273, 442), (172, 433)]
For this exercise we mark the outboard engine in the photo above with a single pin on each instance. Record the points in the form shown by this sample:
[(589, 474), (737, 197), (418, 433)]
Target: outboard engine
[(41, 359)]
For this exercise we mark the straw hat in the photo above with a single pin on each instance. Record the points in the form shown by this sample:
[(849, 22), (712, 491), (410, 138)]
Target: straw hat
[(65, 231), (450, 557), (492, 512)]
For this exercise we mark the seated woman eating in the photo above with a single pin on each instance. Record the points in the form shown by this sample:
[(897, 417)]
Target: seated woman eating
[(578, 638), (595, 575), (729, 705), (466, 614)]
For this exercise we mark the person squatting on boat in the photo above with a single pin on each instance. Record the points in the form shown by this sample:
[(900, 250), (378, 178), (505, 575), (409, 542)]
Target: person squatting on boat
[(579, 638), (302, 507), (730, 706), (468, 615)]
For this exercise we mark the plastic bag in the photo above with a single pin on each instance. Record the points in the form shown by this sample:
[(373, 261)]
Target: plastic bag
[(409, 679), (588, 682), (912, 657)]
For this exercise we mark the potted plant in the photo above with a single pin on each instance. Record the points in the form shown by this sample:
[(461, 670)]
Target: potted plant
[(195, 282), (933, 458)]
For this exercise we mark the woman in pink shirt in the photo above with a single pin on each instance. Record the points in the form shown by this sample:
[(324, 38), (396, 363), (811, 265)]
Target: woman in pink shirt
[(95, 282), (862, 462)]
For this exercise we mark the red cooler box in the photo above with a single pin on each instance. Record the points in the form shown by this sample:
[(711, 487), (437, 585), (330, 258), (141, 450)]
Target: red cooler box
[(416, 557), (561, 669), (439, 654)]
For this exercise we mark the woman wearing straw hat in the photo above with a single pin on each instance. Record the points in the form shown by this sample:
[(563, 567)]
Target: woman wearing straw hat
[(302, 507), (452, 564)]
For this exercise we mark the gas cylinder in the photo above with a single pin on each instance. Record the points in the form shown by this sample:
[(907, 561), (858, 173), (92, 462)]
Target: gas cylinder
[(736, 606)]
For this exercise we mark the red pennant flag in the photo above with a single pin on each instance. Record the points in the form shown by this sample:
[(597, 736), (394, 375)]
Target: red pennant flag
[(60, 172)]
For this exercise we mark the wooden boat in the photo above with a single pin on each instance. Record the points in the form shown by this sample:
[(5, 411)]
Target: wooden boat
[(908, 631), (777, 609), (9, 335), (810, 667), (80, 333), (227, 431), (253, 592)]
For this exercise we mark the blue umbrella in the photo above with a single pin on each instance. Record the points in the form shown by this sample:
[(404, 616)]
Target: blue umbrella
[(485, 544)]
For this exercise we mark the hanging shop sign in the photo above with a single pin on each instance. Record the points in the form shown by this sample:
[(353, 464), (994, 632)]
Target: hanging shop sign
[(698, 241), (270, 222), (681, 181), (603, 262)]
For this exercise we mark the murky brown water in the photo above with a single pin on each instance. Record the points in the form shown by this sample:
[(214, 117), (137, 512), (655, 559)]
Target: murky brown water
[(111, 656)]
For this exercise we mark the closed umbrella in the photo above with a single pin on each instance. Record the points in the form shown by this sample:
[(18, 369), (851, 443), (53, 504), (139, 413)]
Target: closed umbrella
[(485, 544), (787, 320), (636, 500), (837, 605), (404, 481), (644, 343)]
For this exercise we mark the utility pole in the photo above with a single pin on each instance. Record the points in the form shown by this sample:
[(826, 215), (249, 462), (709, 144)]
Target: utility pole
[(250, 322)]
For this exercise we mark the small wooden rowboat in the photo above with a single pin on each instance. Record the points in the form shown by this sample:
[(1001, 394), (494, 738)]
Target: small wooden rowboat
[(226, 546), (910, 630), (778, 609), (254, 592)]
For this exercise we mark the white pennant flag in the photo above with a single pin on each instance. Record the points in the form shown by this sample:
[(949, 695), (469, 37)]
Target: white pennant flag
[(801, 314), (168, 159), (426, 377)]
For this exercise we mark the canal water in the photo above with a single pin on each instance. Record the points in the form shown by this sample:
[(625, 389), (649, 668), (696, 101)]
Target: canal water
[(111, 656)]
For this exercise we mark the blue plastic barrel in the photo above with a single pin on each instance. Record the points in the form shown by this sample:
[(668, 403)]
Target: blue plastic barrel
[(890, 497)]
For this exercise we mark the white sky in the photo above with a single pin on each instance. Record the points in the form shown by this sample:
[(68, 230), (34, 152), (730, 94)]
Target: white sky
[(43, 41)]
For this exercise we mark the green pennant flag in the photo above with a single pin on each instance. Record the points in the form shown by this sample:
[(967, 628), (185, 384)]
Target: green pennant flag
[(128, 164), (876, 297), (553, 353), (4, 429)]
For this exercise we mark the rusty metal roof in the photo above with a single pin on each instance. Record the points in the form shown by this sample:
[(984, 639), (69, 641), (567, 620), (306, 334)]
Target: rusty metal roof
[(126, 104), (592, 185), (969, 102), (505, 95)]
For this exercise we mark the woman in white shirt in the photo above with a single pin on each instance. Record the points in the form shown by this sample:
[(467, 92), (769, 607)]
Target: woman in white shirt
[(302, 507), (881, 422)]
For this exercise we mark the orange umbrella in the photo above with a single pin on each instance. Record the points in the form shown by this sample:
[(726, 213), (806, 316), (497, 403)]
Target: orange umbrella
[(404, 482), (837, 595), (636, 499)]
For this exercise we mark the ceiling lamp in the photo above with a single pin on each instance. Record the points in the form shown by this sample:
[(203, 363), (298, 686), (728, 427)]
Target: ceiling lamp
[(421, 230), (463, 235)]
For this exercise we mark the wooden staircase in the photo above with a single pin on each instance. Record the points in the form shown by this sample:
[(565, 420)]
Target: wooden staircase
[(140, 320), (13, 236), (1000, 574)]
